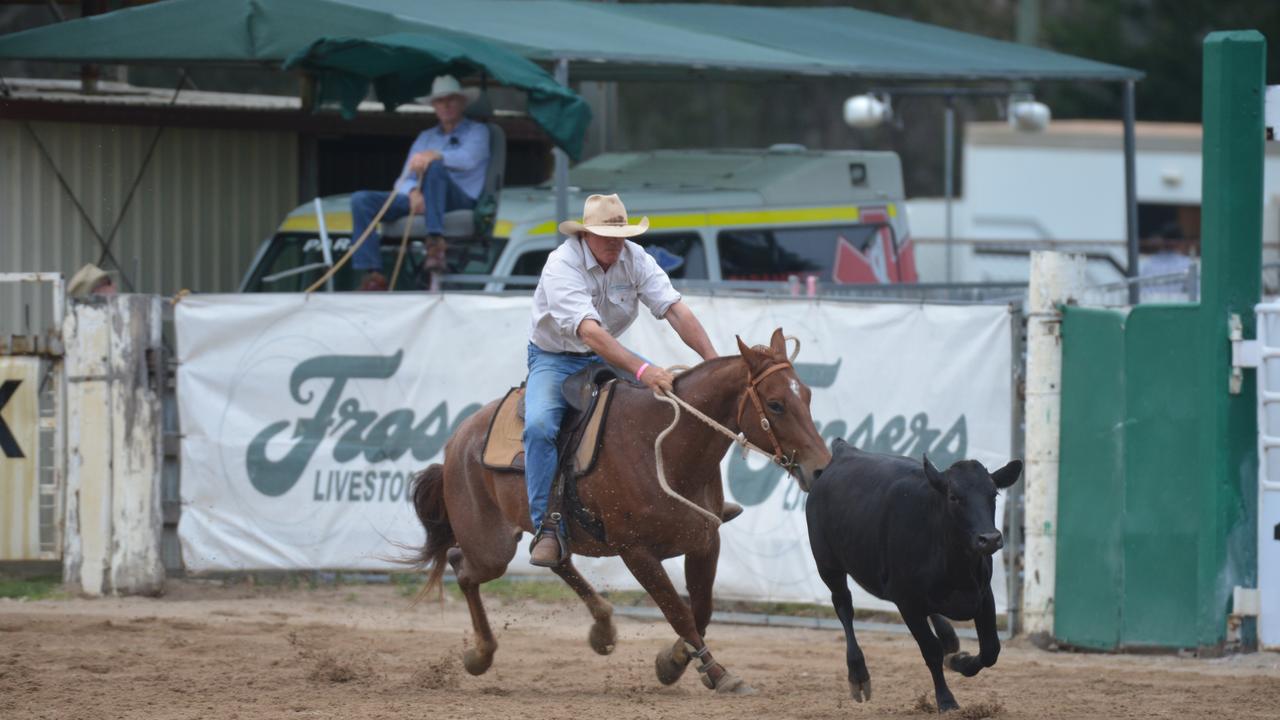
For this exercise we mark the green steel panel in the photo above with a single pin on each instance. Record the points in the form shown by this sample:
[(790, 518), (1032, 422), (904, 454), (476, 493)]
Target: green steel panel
[(1158, 461), (1162, 477), (1090, 562), (1234, 79)]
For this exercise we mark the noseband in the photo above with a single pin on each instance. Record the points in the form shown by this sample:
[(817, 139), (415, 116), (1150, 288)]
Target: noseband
[(787, 463)]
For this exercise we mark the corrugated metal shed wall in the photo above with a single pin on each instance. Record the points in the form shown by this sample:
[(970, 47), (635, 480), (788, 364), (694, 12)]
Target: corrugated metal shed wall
[(206, 200)]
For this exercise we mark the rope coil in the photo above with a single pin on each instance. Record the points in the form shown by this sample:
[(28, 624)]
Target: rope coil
[(738, 438)]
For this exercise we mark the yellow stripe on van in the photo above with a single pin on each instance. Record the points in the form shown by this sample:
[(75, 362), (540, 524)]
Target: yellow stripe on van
[(340, 222), (845, 213), (893, 210), (333, 222)]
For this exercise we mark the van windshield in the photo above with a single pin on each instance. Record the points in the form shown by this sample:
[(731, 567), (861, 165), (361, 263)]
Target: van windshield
[(294, 261)]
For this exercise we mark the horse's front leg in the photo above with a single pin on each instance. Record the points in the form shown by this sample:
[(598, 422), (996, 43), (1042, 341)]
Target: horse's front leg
[(648, 570), (699, 577)]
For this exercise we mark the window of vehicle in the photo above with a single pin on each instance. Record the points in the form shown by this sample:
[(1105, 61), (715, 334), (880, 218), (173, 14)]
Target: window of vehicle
[(529, 264), (294, 261), (679, 254), (776, 254)]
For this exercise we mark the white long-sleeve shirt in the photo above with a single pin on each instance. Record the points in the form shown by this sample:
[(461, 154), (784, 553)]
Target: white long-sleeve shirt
[(573, 287)]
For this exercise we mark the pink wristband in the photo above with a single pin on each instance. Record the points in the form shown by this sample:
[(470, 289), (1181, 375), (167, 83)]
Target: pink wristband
[(640, 372)]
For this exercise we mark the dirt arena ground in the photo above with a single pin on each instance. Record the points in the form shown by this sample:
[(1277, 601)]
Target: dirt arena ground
[(214, 652)]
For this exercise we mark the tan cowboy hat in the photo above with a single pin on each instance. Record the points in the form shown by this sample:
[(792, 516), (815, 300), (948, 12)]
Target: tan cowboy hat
[(86, 280), (445, 85), (604, 215)]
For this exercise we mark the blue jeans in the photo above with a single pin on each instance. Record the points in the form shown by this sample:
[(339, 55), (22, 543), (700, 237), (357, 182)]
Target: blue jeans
[(440, 194), (544, 407)]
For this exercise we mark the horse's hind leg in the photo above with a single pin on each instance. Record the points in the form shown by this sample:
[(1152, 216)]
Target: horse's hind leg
[(477, 659), (603, 637)]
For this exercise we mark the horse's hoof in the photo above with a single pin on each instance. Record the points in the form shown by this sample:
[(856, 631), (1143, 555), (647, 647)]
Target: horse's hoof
[(476, 662), (730, 684), (860, 691), (671, 663), (946, 706), (603, 637)]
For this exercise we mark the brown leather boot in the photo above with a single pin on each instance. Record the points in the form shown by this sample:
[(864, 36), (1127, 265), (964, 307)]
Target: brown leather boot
[(374, 281), (546, 551), (729, 511)]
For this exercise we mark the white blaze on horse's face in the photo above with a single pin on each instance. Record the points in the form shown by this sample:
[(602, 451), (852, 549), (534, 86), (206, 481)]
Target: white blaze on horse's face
[(795, 387)]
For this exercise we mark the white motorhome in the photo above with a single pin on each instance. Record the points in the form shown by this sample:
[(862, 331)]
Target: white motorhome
[(1063, 189)]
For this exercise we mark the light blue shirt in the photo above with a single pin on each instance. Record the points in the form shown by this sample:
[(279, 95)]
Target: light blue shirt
[(465, 151)]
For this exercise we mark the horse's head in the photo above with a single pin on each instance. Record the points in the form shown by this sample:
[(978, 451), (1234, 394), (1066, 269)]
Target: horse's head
[(774, 411)]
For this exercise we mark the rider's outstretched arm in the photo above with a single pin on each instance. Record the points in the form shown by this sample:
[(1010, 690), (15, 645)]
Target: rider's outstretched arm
[(608, 347), (690, 330)]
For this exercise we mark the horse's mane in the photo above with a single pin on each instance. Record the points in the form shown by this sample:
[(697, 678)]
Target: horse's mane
[(715, 363)]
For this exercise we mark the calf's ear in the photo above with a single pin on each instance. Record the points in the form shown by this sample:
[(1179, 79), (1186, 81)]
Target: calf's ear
[(938, 482), (1007, 475)]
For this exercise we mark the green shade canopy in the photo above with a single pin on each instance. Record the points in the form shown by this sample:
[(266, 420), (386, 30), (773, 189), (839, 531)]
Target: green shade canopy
[(603, 41), (401, 67)]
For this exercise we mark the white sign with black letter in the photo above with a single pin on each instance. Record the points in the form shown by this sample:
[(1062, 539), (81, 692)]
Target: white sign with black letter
[(19, 458), (303, 418)]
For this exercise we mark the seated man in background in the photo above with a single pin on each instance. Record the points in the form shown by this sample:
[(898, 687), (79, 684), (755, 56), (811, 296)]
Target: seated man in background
[(453, 156)]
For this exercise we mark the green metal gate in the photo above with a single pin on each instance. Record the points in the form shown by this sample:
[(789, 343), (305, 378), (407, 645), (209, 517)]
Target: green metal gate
[(1157, 491)]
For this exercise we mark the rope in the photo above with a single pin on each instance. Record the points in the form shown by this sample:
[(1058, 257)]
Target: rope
[(676, 403), (355, 245), (404, 245), (740, 438)]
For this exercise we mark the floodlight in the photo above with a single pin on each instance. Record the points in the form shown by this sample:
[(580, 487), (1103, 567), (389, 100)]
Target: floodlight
[(866, 111), (1028, 115)]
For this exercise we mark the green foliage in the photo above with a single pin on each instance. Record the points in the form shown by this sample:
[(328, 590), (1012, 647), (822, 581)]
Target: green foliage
[(33, 588)]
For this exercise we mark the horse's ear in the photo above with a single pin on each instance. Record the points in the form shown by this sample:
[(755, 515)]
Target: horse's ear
[(743, 350), (778, 343)]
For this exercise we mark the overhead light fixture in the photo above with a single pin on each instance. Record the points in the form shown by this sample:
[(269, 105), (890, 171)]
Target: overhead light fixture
[(867, 111), (1028, 115)]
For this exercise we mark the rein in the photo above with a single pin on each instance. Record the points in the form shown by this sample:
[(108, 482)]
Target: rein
[(740, 438)]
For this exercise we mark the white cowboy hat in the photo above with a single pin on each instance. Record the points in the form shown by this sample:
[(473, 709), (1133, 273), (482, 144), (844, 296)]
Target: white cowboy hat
[(445, 85), (86, 280), (604, 215)]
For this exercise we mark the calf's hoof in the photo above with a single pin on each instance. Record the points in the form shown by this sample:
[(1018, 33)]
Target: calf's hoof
[(671, 663), (860, 690), (963, 663), (947, 705), (603, 637), (476, 662)]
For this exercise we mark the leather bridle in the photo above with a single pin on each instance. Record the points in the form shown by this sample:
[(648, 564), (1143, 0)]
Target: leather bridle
[(787, 463)]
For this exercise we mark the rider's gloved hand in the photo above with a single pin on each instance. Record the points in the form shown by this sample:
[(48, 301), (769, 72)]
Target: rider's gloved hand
[(656, 378)]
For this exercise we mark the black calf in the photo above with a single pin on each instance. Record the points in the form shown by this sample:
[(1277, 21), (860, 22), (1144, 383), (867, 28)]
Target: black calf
[(917, 537)]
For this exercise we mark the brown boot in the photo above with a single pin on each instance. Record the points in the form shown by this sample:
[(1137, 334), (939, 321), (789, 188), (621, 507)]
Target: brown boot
[(437, 250), (729, 511), (374, 281), (546, 552)]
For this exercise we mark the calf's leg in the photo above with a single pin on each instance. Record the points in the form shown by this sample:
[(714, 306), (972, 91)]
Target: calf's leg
[(988, 641), (918, 623), (842, 601), (946, 634)]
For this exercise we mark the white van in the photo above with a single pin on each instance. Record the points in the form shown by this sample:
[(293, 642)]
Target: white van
[(715, 215)]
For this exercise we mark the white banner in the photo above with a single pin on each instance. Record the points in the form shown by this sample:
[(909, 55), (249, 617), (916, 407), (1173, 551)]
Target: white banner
[(303, 418)]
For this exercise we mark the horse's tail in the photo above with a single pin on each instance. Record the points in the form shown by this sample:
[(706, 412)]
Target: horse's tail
[(428, 501)]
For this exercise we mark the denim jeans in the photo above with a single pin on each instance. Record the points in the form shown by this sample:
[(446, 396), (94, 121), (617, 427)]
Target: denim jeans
[(440, 195), (544, 407)]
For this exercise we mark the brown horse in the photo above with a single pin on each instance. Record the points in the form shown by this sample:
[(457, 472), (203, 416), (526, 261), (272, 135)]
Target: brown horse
[(474, 517)]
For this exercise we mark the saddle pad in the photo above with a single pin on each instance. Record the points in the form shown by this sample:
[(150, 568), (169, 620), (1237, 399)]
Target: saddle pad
[(504, 444)]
